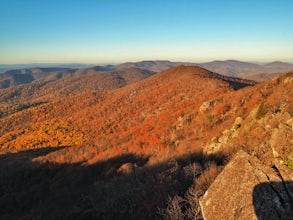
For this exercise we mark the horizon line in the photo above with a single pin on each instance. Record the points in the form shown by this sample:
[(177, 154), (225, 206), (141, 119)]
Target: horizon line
[(143, 60)]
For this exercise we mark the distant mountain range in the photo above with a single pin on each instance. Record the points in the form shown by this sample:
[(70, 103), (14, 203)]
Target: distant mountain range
[(6, 67), (156, 65), (227, 67), (234, 68), (247, 70), (24, 76)]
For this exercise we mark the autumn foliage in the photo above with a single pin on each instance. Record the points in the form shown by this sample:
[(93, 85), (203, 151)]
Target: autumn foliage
[(168, 115)]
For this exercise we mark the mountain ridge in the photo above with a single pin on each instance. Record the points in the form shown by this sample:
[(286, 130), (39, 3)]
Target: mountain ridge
[(238, 69), (168, 134), (233, 68)]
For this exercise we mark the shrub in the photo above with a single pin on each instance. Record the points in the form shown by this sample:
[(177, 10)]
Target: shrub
[(210, 118), (192, 170), (174, 209), (207, 177), (188, 207), (289, 163), (193, 210), (261, 111)]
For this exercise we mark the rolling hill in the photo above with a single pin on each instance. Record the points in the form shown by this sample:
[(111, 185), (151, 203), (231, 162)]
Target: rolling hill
[(24, 76), (190, 82), (58, 85), (16, 77), (232, 68)]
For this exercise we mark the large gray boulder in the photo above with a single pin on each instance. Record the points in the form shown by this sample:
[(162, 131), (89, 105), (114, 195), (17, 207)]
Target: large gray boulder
[(247, 189)]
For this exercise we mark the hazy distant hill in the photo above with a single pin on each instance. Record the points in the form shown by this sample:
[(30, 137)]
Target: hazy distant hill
[(278, 64), (228, 67), (259, 77), (156, 66), (233, 68), (248, 70), (7, 67), (24, 76)]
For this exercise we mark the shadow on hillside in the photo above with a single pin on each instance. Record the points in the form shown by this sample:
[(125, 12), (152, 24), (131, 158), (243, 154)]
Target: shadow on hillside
[(273, 200), (23, 78), (32, 190), (17, 108), (237, 83), (29, 154)]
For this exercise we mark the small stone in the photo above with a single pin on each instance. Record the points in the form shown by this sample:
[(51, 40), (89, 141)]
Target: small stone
[(126, 168), (238, 122), (205, 106)]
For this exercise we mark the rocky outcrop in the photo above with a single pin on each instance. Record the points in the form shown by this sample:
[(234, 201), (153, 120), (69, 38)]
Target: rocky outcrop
[(267, 134), (205, 106), (288, 80), (248, 189), (215, 145)]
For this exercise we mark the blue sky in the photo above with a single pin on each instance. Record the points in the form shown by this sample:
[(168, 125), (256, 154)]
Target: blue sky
[(111, 31)]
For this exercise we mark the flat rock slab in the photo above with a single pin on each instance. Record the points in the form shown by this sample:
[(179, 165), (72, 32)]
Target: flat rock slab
[(247, 189)]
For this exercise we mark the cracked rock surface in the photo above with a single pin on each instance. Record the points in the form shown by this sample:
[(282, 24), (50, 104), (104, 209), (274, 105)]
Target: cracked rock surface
[(248, 189)]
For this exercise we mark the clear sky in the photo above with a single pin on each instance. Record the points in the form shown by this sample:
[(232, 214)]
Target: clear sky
[(111, 31)]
